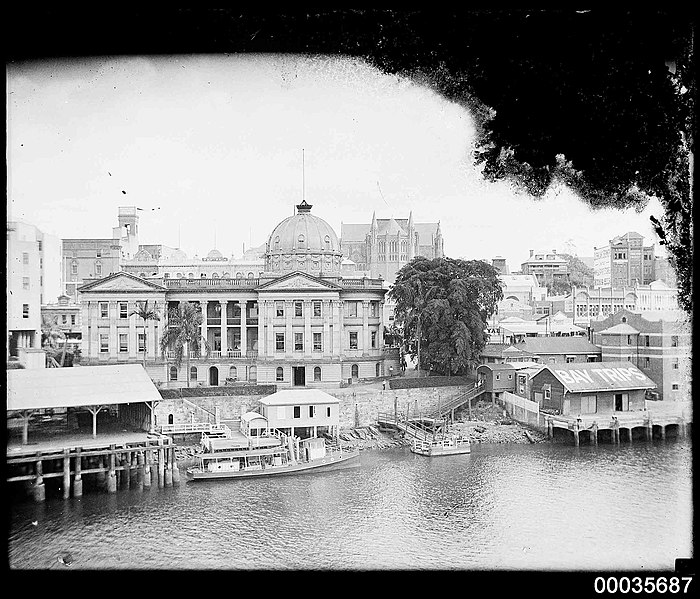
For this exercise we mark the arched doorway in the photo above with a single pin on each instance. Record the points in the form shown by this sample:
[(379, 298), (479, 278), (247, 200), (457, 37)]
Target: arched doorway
[(213, 376), (253, 374), (354, 371)]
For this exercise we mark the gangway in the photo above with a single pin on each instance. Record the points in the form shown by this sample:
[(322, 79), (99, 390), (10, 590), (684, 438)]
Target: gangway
[(448, 407), (413, 427)]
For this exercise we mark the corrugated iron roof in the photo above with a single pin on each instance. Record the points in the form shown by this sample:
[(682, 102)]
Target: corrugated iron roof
[(599, 376), (619, 329), (288, 397), (41, 388), (558, 345)]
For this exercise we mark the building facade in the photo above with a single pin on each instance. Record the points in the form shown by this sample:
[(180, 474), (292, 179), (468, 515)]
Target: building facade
[(624, 261), (67, 317), (298, 323), (546, 266), (381, 248), (658, 343)]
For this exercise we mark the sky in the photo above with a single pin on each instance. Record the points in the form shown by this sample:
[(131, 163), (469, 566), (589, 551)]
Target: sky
[(218, 149)]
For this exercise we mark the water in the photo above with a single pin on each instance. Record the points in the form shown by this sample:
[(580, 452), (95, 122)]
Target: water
[(523, 507)]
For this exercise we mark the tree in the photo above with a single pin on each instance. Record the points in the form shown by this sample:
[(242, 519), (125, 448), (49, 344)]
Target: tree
[(442, 306), (182, 334), (145, 314), (580, 274)]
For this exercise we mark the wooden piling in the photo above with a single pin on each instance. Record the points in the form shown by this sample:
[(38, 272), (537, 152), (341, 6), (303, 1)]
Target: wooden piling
[(78, 478), (66, 473), (148, 473), (112, 474), (141, 471), (101, 474), (576, 437), (126, 474), (650, 429), (133, 470), (161, 464), (39, 490), (168, 478), (663, 432), (175, 469), (594, 433)]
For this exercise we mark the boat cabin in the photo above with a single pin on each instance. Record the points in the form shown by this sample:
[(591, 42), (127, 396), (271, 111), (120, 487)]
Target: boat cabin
[(253, 424)]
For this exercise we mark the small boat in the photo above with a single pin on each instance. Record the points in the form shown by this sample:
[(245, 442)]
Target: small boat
[(288, 456), (442, 446)]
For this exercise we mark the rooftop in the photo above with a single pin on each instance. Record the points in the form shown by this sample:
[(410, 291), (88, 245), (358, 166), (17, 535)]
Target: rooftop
[(599, 376)]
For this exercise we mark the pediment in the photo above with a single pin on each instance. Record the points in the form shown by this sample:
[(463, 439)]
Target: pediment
[(297, 281), (121, 281)]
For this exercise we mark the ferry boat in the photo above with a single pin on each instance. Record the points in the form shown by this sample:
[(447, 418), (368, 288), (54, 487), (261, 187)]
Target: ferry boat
[(443, 446), (285, 455)]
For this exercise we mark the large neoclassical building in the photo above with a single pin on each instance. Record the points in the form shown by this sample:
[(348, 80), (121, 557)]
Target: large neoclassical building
[(300, 322)]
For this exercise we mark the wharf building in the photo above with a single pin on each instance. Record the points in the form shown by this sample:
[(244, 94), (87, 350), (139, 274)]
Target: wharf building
[(299, 322)]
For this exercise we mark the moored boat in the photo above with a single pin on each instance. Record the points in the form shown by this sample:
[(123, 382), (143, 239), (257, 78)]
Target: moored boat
[(288, 456), (443, 446)]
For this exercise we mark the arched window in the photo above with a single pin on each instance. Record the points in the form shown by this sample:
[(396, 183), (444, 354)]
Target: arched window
[(98, 268), (250, 275), (166, 275), (300, 241), (377, 369), (190, 275), (173, 373), (142, 275), (279, 374), (214, 275), (171, 419), (239, 275), (74, 268), (277, 242), (327, 239), (203, 275), (624, 319), (226, 275), (233, 372), (179, 275), (355, 371), (193, 373), (317, 373)]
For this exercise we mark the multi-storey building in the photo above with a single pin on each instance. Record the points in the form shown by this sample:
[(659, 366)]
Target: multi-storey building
[(66, 315), (300, 322), (624, 261), (88, 259), (385, 245), (546, 266), (656, 342), (33, 261)]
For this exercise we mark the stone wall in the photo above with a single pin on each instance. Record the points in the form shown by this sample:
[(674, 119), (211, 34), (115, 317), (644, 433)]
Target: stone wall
[(358, 406)]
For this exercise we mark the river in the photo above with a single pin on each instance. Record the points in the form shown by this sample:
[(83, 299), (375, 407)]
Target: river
[(512, 507)]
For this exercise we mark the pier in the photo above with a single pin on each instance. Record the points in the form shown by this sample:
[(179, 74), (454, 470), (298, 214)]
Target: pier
[(127, 465)]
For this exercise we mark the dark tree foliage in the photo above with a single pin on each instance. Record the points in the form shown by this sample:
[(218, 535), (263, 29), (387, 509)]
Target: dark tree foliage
[(582, 97), (444, 304)]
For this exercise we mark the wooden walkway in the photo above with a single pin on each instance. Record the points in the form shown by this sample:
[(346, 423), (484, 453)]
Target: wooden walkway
[(450, 406), (413, 427)]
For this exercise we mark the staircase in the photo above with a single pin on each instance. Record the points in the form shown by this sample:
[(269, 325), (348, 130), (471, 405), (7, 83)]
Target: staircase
[(414, 428), (444, 409)]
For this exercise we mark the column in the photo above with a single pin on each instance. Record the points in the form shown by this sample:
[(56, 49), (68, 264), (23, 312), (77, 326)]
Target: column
[(224, 338), (270, 328), (365, 327), (203, 308), (262, 326), (133, 339), (288, 337), (308, 338), (338, 341), (326, 308), (380, 328), (244, 331), (113, 337)]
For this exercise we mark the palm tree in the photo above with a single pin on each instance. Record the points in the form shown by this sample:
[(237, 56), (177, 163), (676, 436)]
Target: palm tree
[(51, 333), (145, 314), (182, 334)]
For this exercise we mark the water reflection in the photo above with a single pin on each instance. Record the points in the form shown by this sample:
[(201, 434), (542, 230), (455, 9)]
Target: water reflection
[(513, 507)]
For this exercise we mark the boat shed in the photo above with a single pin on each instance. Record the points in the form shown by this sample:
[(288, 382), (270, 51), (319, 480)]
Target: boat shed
[(590, 388), (303, 411), (91, 388)]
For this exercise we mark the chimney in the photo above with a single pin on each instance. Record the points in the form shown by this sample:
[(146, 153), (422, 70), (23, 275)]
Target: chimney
[(531, 252)]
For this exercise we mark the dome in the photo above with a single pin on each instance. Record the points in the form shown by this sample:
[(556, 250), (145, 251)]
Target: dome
[(216, 254), (303, 242)]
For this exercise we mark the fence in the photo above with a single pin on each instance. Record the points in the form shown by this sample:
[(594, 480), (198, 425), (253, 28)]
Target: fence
[(523, 410)]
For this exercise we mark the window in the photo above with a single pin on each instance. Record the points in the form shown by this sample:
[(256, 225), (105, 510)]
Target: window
[(25, 282), (298, 341), (104, 343), (374, 308), (193, 373), (353, 340), (647, 362), (377, 369), (25, 310), (352, 309), (317, 374), (74, 268), (98, 268), (25, 258), (674, 340), (104, 310), (233, 372), (298, 309), (547, 392), (374, 338), (510, 377), (297, 411), (64, 319), (570, 359), (277, 242), (317, 342), (317, 309), (142, 342), (498, 377), (646, 340), (279, 341), (123, 310), (629, 339), (312, 411), (123, 343), (328, 411), (279, 374), (327, 240), (675, 386), (675, 364), (98, 253), (173, 373), (355, 371), (279, 309), (300, 241), (589, 404)]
